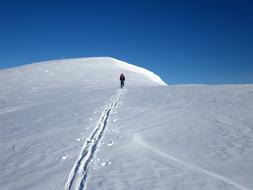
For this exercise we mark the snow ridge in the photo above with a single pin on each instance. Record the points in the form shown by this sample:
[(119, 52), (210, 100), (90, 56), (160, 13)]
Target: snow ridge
[(140, 141), (140, 70), (79, 173)]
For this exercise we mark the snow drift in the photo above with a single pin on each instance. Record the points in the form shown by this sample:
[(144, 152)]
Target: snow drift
[(65, 124)]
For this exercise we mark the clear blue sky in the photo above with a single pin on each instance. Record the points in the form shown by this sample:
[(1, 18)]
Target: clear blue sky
[(183, 41)]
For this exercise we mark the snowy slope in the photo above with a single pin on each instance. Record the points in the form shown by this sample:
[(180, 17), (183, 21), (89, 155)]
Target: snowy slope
[(179, 137), (67, 125)]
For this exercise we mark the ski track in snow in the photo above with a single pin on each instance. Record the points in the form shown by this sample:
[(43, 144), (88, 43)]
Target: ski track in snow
[(140, 141), (78, 176)]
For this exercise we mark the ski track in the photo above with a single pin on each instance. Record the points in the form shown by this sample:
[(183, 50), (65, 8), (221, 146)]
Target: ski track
[(78, 176), (139, 141)]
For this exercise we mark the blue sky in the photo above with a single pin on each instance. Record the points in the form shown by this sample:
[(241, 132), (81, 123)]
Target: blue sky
[(183, 41)]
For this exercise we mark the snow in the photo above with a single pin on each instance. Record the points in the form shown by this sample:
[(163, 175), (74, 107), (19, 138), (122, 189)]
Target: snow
[(140, 70), (67, 122), (183, 137)]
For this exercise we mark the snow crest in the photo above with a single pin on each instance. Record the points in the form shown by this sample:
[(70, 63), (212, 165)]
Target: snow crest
[(140, 70)]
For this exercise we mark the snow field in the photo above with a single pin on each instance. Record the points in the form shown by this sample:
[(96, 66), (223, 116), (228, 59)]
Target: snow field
[(60, 128), (179, 139)]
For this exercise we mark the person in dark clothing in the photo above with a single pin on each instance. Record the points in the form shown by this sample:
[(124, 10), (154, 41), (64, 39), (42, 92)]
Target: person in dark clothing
[(122, 80)]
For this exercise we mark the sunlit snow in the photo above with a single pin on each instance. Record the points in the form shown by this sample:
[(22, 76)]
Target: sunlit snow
[(66, 124)]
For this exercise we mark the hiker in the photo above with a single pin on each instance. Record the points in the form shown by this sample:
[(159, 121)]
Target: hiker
[(122, 80)]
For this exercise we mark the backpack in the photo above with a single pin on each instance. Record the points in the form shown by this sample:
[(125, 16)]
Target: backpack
[(122, 77)]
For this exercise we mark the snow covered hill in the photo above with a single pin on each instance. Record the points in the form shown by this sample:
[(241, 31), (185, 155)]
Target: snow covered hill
[(67, 125)]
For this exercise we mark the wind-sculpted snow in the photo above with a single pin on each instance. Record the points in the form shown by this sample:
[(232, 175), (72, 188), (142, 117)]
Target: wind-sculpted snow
[(183, 137), (177, 161), (53, 136), (141, 71)]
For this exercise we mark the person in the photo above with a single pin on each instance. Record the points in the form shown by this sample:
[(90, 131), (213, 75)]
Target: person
[(122, 80)]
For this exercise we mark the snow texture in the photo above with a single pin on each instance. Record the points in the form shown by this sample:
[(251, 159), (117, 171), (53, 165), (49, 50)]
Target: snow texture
[(65, 124), (140, 70)]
